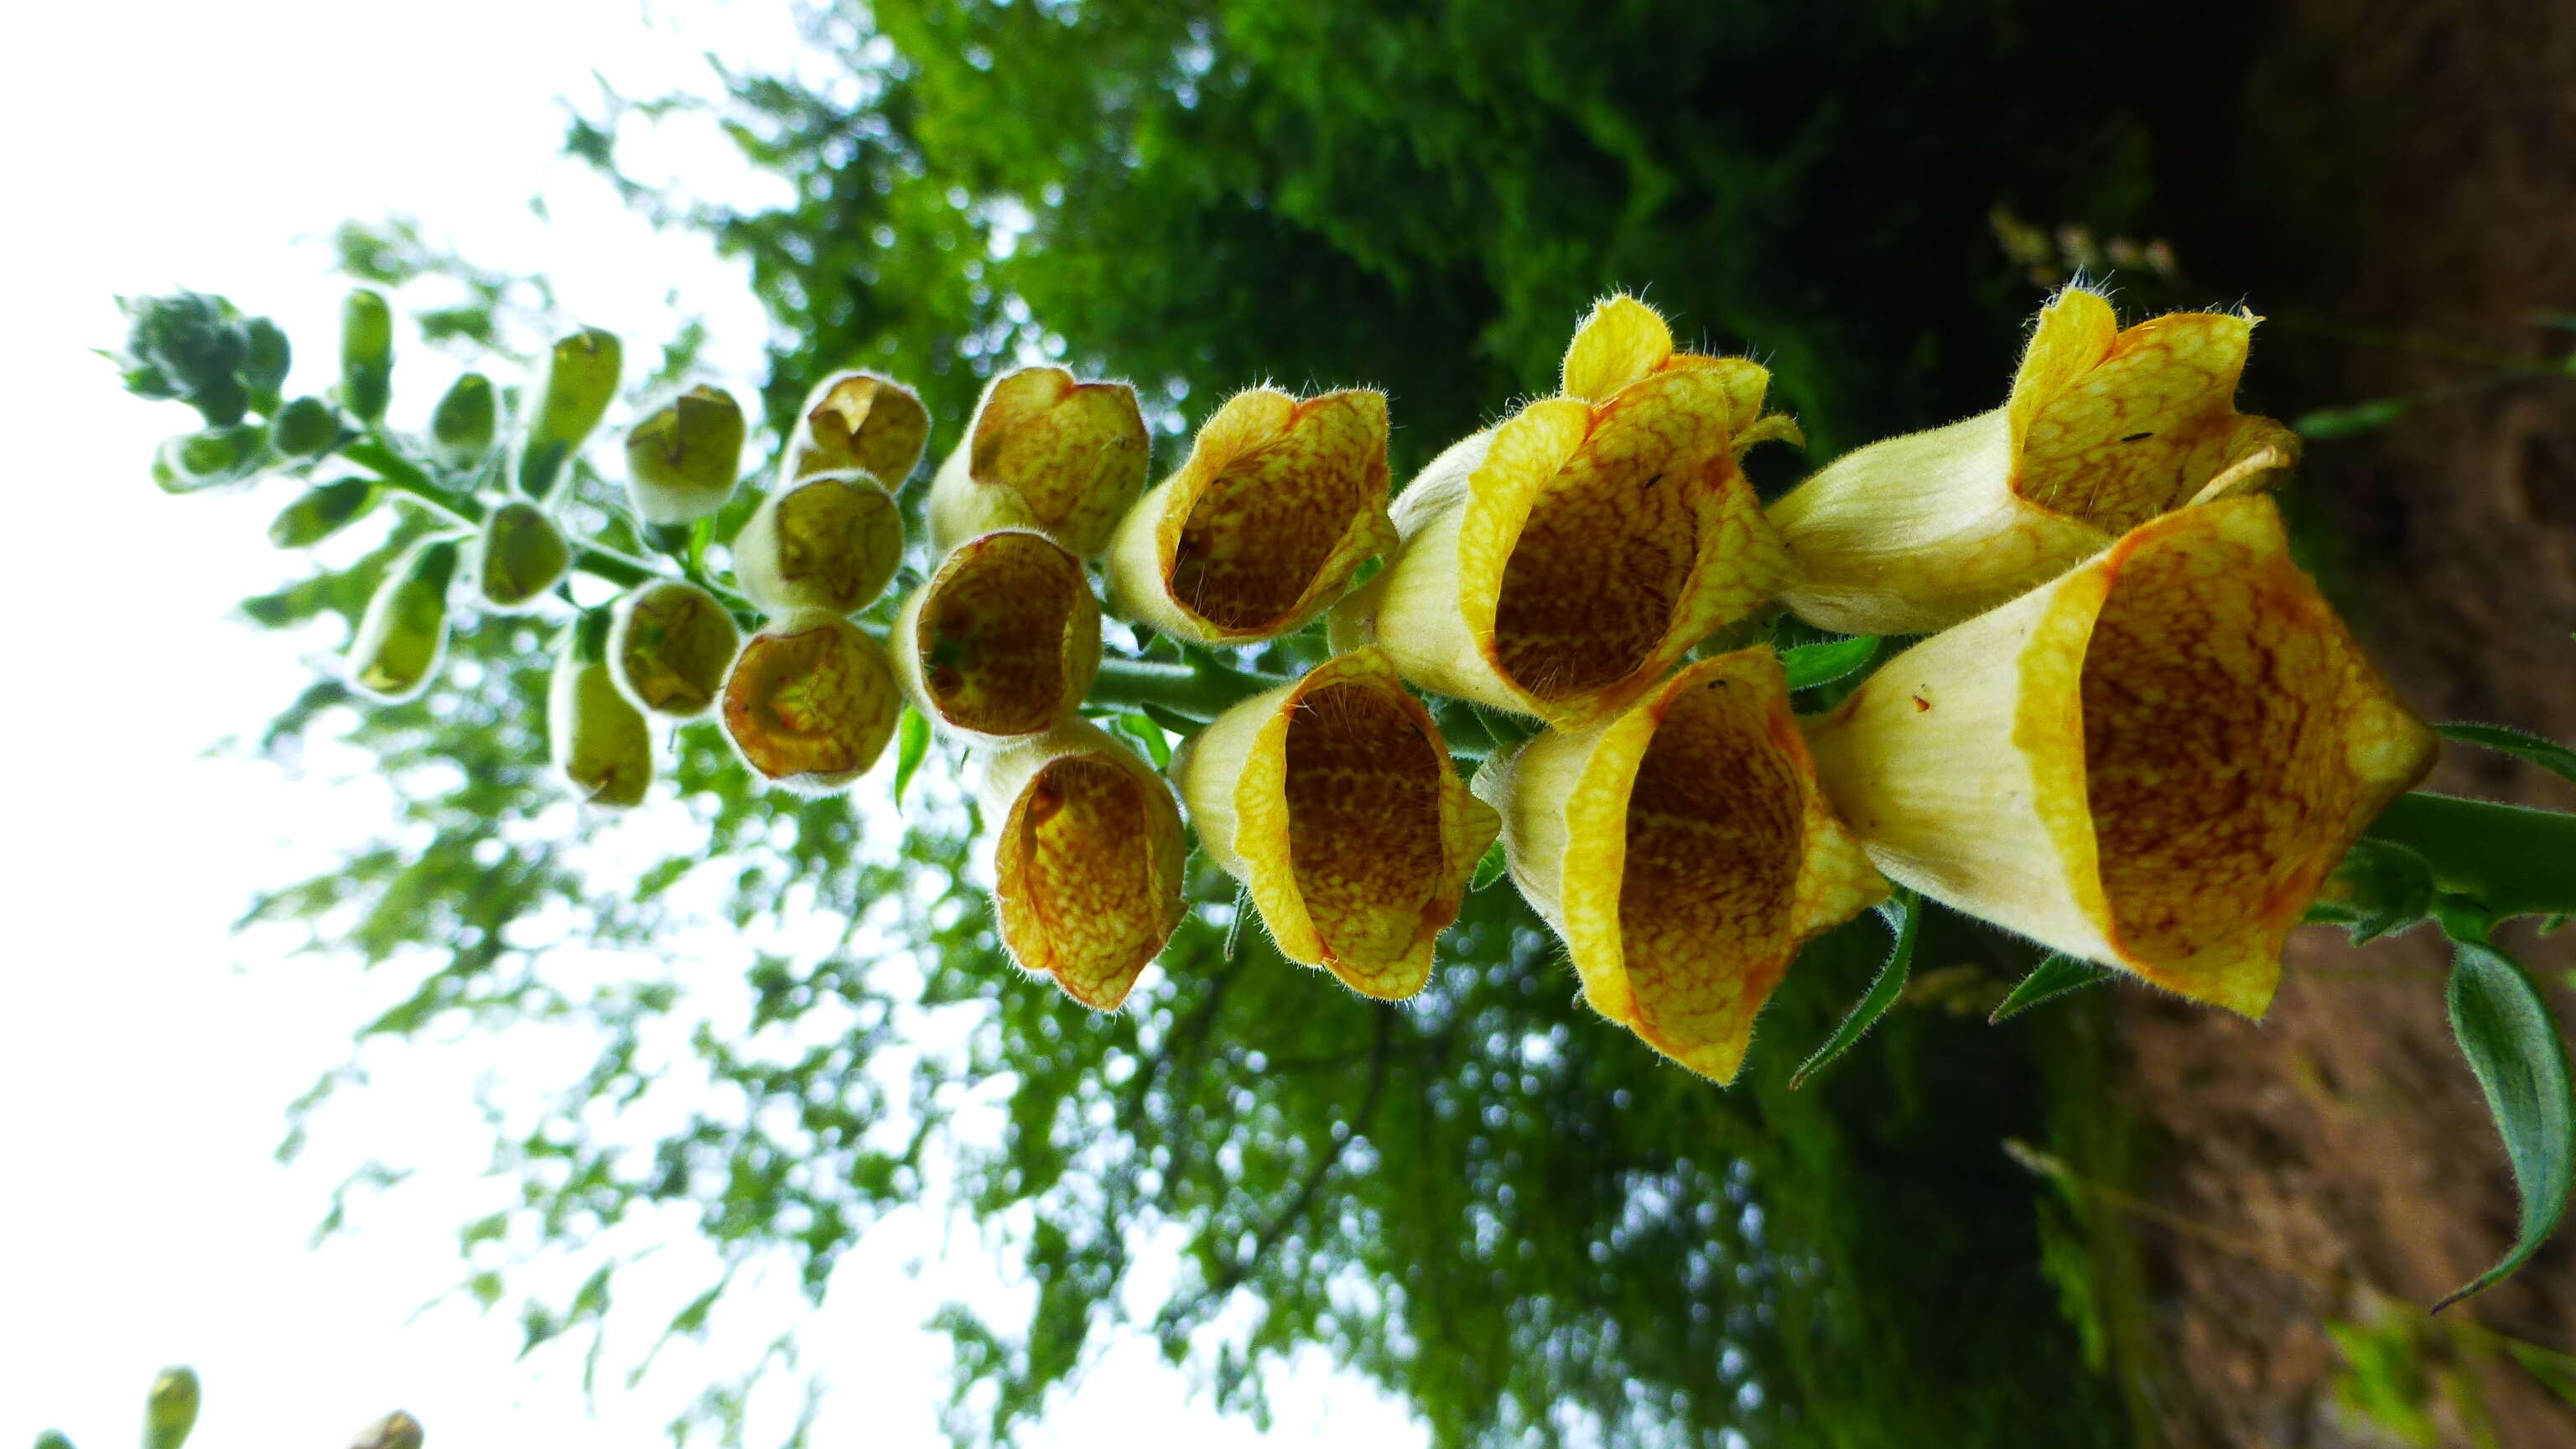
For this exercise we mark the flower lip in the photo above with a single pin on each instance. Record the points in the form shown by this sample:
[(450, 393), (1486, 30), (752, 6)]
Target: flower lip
[(1003, 639), (1046, 452), (1262, 527), (811, 702), (1686, 853), (1086, 860)]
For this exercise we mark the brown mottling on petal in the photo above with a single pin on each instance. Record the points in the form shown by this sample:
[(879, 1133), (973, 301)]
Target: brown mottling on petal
[(1073, 452), (812, 700), (993, 634), (860, 420), (2131, 437), (1363, 788), (1271, 520), (1079, 893)]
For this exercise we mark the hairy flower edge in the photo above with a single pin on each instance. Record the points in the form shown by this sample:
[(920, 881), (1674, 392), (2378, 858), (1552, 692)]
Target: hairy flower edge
[(1047, 452), (1002, 640)]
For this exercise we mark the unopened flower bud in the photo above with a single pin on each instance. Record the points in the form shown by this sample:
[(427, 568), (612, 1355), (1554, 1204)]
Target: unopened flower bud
[(366, 355), (405, 627), (681, 461), (190, 347), (859, 420), (2104, 430), (1684, 851), (830, 542), (1087, 855), (304, 428), (811, 702), (461, 426), (599, 741), (193, 462), (1278, 505), (1046, 452), (321, 512), (266, 359), (1559, 563), (53, 1439), (1003, 639), (396, 1430), (170, 1410), (670, 647), (581, 381), (519, 555), (1333, 800), (2151, 762)]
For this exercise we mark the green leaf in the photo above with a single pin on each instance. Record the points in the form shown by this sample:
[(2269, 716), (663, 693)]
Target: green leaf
[(1809, 665), (1172, 720), (1149, 734), (2510, 859), (1490, 869), (2547, 754), (2368, 417), (1882, 992), (912, 746), (2052, 978), (2388, 888), (2512, 1043)]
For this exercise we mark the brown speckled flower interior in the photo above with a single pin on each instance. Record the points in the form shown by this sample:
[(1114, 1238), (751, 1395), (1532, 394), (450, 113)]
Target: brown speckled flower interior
[(1363, 791), (992, 634)]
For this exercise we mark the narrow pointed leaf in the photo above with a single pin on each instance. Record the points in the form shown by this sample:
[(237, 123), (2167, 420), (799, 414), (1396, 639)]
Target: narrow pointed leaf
[(2052, 978), (912, 746), (2512, 1043), (1143, 730), (2549, 755), (1882, 992), (1490, 869), (1809, 665)]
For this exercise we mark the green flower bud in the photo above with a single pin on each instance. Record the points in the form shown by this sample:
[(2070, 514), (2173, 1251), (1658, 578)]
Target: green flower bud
[(460, 429), (811, 702), (600, 742), (190, 347), (321, 512), (670, 647), (265, 358), (519, 555), (405, 628), (681, 462), (396, 1430), (304, 428), (831, 542), (580, 382), (52, 1439), (170, 1411), (366, 355), (192, 462)]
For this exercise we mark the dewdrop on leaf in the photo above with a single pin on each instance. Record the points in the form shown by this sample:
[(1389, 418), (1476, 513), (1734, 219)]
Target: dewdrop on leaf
[(581, 380), (861, 421), (811, 701), (1043, 451), (405, 628), (830, 542), (600, 743), (518, 556), (1003, 639), (682, 461), (670, 646)]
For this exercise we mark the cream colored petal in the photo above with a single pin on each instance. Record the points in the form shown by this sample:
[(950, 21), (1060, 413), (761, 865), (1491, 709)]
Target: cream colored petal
[(1044, 451), (1002, 640), (1087, 855)]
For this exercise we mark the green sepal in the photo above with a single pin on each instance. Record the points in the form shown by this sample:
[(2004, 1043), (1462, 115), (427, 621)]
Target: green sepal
[(2384, 887), (2549, 755), (170, 1409), (1809, 665), (1883, 991), (2513, 1045), (911, 747), (322, 512), (2055, 976), (366, 355)]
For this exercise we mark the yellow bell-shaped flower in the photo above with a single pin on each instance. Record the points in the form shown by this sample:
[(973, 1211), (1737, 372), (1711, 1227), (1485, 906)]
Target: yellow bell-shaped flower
[(1333, 800), (1044, 451), (1003, 639), (811, 702), (670, 647), (1560, 562), (1279, 503), (2105, 429), (1087, 855), (1685, 852), (862, 422), (2151, 763)]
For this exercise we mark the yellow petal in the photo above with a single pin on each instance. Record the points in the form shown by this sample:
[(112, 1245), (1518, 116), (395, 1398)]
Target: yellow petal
[(831, 541), (2151, 763), (1333, 800), (1044, 451), (859, 421), (1559, 563), (1620, 341), (1279, 503), (1087, 853), (1003, 639), (1685, 852), (811, 702)]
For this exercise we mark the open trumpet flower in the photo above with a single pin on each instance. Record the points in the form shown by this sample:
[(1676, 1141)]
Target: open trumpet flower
[(1087, 854), (670, 646), (1559, 563), (1044, 451), (2104, 430), (859, 420), (830, 542), (1003, 639), (1277, 506), (2151, 763), (811, 702), (1333, 800), (1685, 852), (1623, 341)]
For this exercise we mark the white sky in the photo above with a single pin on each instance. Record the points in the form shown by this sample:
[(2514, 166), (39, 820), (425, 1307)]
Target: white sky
[(146, 1055)]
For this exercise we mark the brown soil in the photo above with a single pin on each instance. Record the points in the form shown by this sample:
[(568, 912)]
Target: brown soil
[(2341, 1148)]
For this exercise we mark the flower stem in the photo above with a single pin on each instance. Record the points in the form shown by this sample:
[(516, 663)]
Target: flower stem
[(1201, 689), (2510, 859)]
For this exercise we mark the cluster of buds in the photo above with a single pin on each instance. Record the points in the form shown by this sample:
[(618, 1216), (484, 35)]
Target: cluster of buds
[(2136, 734)]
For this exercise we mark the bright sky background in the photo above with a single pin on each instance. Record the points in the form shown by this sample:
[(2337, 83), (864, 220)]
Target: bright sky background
[(146, 1054)]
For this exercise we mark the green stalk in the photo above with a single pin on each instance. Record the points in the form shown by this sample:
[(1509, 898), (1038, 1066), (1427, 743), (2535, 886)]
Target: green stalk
[(2510, 859), (1201, 690)]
